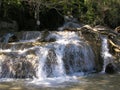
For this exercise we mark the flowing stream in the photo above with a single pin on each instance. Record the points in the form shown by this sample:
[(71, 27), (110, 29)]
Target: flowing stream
[(91, 82), (68, 54), (58, 60)]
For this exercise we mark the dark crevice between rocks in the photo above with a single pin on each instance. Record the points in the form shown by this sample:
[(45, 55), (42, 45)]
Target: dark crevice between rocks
[(110, 69)]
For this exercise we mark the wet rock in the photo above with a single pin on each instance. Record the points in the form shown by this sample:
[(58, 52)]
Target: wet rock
[(69, 26), (71, 23), (101, 28), (17, 67), (8, 38), (117, 29), (13, 39), (110, 69)]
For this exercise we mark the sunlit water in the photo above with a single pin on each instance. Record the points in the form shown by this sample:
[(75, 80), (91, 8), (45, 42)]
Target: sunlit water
[(68, 54), (72, 59), (90, 82), (107, 57)]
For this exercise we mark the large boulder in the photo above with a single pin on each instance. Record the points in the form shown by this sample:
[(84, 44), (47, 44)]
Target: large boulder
[(15, 66)]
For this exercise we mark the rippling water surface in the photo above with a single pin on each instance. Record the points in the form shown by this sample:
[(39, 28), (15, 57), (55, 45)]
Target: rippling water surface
[(90, 82)]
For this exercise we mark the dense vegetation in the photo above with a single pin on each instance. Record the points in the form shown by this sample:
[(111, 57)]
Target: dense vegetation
[(94, 12)]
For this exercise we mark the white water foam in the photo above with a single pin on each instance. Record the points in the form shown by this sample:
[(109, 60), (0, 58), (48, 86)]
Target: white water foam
[(107, 57), (58, 71), (55, 82), (42, 52)]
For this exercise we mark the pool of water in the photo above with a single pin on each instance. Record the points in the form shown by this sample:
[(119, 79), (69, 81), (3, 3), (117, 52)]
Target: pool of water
[(90, 82)]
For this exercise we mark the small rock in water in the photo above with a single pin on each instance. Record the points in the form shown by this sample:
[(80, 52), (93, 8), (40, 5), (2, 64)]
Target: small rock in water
[(13, 39), (110, 69)]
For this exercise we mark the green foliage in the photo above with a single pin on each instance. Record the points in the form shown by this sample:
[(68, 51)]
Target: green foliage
[(7, 5), (104, 12), (15, 2)]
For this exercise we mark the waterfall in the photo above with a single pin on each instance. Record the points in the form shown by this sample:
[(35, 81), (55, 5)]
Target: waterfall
[(60, 70), (107, 57), (70, 23), (6, 37), (67, 55), (78, 58), (30, 36), (42, 53)]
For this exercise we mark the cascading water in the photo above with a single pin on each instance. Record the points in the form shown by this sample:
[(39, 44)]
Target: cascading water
[(70, 23), (42, 53), (68, 54), (107, 57), (60, 70), (30, 36), (6, 37)]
